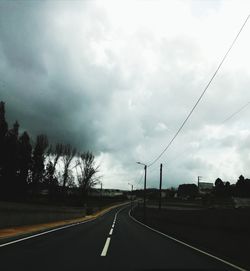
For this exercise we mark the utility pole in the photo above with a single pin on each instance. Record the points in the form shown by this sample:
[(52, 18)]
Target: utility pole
[(199, 177), (160, 187), (131, 195), (101, 192), (145, 188)]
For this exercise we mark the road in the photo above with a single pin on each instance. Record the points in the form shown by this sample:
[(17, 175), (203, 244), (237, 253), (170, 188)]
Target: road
[(96, 245)]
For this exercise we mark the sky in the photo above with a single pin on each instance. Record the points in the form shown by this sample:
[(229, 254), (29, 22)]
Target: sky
[(119, 77)]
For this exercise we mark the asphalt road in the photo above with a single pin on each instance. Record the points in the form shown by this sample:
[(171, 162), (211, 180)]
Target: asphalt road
[(95, 246)]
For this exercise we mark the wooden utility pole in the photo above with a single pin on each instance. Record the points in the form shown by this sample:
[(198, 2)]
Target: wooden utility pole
[(145, 188), (131, 196), (199, 177), (160, 187)]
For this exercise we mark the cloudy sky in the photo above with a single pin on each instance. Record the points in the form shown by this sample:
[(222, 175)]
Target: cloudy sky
[(119, 77)]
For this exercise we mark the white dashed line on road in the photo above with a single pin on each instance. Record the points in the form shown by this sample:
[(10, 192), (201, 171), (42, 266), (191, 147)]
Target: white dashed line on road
[(106, 247)]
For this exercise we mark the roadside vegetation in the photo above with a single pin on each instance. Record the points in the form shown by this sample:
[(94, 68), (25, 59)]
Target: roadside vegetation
[(221, 232), (37, 171), (214, 219)]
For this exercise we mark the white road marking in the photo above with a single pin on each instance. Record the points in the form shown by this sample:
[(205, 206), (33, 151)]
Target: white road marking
[(56, 229), (43, 233), (106, 246), (187, 245)]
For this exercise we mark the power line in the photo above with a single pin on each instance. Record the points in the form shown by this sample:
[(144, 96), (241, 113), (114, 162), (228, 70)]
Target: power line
[(139, 181), (202, 94), (227, 119), (235, 113)]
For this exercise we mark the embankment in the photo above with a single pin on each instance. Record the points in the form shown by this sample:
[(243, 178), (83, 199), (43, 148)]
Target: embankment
[(20, 214)]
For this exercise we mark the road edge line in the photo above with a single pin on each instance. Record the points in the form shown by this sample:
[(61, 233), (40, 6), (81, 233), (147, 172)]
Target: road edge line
[(44, 232), (59, 228), (187, 245)]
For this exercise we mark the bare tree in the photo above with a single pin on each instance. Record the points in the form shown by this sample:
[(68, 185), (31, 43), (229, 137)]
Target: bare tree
[(88, 170), (25, 159), (68, 154), (38, 159), (58, 152), (54, 154)]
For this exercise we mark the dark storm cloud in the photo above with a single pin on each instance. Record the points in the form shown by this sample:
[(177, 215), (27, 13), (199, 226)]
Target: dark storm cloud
[(41, 84), (119, 77)]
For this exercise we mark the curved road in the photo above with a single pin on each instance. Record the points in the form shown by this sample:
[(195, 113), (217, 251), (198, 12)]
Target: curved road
[(111, 242)]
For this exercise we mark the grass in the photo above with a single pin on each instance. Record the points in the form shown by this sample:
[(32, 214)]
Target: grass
[(224, 233)]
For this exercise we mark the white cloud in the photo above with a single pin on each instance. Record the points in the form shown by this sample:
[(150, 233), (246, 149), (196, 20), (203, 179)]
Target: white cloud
[(119, 77)]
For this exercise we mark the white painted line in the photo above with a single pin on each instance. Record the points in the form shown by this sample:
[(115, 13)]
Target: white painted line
[(43, 233), (106, 246), (187, 245), (57, 229)]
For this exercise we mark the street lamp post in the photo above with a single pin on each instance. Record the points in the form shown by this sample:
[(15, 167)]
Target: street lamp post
[(145, 188), (160, 187), (199, 178), (131, 195)]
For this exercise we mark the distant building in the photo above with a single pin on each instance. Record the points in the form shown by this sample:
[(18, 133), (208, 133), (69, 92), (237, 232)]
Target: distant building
[(106, 192), (205, 188)]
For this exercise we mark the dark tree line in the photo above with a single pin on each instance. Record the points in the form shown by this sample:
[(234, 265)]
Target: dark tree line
[(240, 189), (30, 170), (220, 190)]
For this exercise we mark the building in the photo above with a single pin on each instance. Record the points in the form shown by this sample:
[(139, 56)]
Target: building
[(205, 188), (106, 192)]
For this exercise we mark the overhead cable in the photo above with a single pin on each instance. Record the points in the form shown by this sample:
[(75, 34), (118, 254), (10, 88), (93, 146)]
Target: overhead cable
[(202, 94)]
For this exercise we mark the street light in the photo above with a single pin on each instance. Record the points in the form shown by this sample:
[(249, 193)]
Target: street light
[(140, 163), (131, 194), (145, 187)]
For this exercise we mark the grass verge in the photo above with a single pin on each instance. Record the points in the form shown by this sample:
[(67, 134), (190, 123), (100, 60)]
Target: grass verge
[(11, 232), (224, 233)]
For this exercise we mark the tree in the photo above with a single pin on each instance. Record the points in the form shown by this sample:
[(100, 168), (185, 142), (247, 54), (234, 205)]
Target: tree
[(54, 154), (3, 131), (38, 160), (68, 154), (11, 167), (25, 159), (218, 183), (50, 180), (242, 187), (241, 180), (219, 187), (3, 123), (88, 170)]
